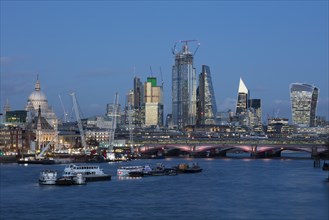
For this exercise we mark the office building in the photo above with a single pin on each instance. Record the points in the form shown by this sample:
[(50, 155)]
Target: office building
[(254, 105), (153, 103), (206, 101), (303, 99), (242, 101), (138, 103), (183, 88)]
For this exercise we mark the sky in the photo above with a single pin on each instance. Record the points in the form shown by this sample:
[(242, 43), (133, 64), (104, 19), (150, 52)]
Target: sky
[(96, 48)]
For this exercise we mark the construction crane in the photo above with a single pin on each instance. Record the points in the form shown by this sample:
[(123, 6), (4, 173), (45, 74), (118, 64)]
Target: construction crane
[(114, 121), (161, 77), (65, 112), (151, 71), (185, 42), (162, 88), (77, 115), (131, 137), (40, 155)]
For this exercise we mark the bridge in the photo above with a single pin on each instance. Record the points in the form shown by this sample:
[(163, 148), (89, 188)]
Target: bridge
[(212, 147)]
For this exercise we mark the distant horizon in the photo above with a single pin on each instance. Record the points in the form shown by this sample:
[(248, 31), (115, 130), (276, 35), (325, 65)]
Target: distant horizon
[(97, 48)]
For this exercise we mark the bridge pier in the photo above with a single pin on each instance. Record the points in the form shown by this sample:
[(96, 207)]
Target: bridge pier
[(314, 153), (264, 154), (317, 163), (254, 153)]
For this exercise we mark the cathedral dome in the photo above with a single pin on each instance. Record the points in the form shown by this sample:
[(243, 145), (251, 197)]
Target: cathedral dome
[(37, 96), (38, 100)]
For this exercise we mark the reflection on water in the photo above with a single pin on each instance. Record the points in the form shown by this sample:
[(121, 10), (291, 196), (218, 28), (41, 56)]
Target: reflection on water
[(227, 188)]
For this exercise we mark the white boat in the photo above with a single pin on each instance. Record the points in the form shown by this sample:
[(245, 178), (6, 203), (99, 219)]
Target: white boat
[(48, 177), (128, 171), (90, 172), (79, 179)]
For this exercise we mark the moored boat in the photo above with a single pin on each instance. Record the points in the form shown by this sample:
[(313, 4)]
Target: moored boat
[(34, 160), (130, 171), (79, 179), (147, 170), (48, 177), (159, 170), (186, 168), (90, 172)]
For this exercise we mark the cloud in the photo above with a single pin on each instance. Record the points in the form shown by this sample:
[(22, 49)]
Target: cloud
[(15, 88), (5, 60), (16, 83)]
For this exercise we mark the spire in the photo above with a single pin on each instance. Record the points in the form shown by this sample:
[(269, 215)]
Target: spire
[(242, 87), (37, 84), (39, 119)]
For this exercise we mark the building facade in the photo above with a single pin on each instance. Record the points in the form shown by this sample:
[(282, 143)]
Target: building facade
[(36, 100), (255, 110), (153, 103), (242, 100), (183, 89), (138, 102), (303, 99), (206, 101)]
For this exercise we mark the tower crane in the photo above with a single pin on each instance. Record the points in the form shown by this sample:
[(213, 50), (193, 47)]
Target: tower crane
[(77, 115), (131, 137), (65, 112), (185, 42), (114, 123), (40, 155), (162, 83), (161, 77)]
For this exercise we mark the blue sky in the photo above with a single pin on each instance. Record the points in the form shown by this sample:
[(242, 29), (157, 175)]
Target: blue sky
[(95, 48)]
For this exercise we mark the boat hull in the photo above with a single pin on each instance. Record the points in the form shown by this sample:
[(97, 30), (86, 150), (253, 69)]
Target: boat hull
[(44, 162), (64, 182), (97, 178), (52, 182)]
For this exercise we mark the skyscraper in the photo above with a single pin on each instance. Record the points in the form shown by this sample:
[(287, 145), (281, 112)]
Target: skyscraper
[(183, 88), (153, 103), (304, 99), (254, 105), (243, 96), (206, 102), (138, 102)]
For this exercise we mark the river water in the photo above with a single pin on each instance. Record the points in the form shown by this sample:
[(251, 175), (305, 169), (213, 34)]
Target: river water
[(225, 189)]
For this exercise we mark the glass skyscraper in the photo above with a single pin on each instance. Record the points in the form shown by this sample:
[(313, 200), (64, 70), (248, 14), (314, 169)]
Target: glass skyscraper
[(255, 106), (242, 101), (138, 102), (183, 89), (206, 102), (304, 99)]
